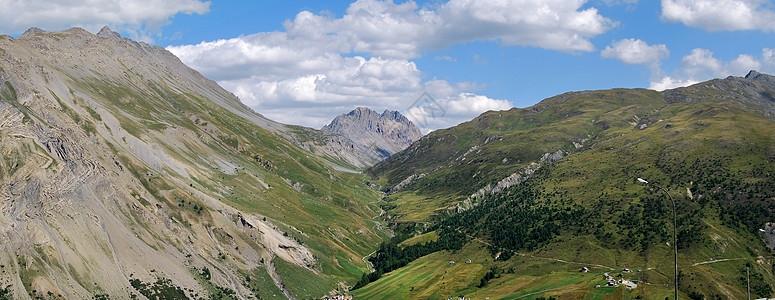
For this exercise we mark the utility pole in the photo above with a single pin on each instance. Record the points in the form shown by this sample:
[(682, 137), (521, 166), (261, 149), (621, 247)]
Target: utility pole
[(675, 234), (748, 279)]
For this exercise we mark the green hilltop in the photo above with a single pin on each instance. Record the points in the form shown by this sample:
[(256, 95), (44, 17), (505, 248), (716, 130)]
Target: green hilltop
[(535, 194)]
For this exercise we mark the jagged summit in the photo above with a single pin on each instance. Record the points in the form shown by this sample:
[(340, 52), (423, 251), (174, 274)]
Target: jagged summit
[(380, 135), (395, 115), (754, 92), (767, 78), (107, 33)]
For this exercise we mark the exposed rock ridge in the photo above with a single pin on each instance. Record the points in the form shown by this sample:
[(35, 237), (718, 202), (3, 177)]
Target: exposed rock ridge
[(514, 179), (755, 92), (107, 33), (33, 31)]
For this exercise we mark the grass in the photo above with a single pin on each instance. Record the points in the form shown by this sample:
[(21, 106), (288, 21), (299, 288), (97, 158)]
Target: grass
[(261, 284), (301, 283), (712, 147), (8, 94), (521, 277), (204, 146), (420, 239)]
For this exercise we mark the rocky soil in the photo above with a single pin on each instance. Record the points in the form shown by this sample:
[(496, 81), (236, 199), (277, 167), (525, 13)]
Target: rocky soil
[(109, 174)]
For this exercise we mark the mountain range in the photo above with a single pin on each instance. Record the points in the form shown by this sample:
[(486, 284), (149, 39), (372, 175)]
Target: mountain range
[(127, 174), (553, 188)]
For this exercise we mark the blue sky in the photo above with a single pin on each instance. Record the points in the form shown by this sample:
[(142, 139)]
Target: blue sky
[(304, 62)]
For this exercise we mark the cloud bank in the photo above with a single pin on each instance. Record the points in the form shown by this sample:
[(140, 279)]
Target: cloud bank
[(142, 18), (322, 66), (721, 15)]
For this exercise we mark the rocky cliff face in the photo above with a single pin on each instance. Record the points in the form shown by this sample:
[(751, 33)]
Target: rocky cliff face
[(125, 172), (376, 135)]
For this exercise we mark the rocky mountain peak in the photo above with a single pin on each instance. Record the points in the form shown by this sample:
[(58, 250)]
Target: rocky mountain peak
[(394, 115), (361, 112), (379, 135), (107, 33), (765, 78), (32, 31), (756, 91)]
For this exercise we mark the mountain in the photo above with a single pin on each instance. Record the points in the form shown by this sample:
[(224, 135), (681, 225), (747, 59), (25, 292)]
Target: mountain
[(378, 135), (127, 174), (530, 196)]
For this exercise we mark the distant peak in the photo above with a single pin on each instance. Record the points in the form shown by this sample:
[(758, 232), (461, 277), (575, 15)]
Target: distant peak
[(761, 77), (394, 115), (33, 30), (360, 110), (107, 33), (753, 74)]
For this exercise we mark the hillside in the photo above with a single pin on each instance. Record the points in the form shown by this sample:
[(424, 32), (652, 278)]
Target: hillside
[(551, 188), (378, 135), (127, 174)]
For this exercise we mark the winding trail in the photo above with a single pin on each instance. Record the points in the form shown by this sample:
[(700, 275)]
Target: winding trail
[(369, 265)]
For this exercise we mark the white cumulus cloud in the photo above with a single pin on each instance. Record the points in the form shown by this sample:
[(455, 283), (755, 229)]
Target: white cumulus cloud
[(635, 51), (452, 110), (667, 82), (143, 18), (721, 15), (701, 63)]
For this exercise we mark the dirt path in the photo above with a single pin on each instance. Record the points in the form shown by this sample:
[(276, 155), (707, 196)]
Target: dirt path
[(368, 263), (723, 260), (545, 258), (544, 291), (568, 262)]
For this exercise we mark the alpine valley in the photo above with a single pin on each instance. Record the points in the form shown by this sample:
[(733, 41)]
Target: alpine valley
[(127, 175)]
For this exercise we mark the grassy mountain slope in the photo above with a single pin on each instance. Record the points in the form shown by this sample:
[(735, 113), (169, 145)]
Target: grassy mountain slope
[(573, 199), (127, 174)]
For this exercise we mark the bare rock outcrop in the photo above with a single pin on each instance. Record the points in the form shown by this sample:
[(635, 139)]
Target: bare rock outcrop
[(375, 136)]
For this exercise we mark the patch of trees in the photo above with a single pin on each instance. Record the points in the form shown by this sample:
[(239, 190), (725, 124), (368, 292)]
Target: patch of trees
[(492, 273), (6, 293), (741, 185), (524, 218), (759, 287), (163, 288)]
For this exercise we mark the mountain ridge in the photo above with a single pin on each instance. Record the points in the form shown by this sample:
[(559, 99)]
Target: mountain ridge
[(126, 173), (557, 182)]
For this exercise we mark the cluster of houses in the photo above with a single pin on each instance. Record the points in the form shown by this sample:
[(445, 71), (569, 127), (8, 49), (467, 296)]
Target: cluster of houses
[(452, 262), (344, 296), (611, 281)]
